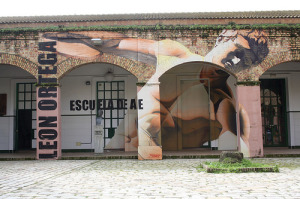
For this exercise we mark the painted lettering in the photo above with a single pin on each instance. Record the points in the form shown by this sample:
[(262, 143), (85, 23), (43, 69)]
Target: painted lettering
[(72, 105), (85, 104), (48, 145), (48, 121), (132, 104), (125, 103), (46, 92), (48, 134), (47, 105), (92, 104), (100, 103), (47, 96), (140, 104), (120, 104), (109, 104), (48, 59), (47, 70), (47, 46), (78, 104)]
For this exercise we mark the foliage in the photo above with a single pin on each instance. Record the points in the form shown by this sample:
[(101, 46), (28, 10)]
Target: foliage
[(244, 166), (140, 83), (47, 85), (244, 163), (249, 83), (290, 27)]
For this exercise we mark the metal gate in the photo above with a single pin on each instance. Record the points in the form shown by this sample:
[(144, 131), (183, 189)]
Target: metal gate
[(273, 110), (109, 94)]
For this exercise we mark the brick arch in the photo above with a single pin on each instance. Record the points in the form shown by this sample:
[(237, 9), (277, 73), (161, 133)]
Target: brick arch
[(205, 63), (254, 73), (274, 60), (140, 70), (18, 61)]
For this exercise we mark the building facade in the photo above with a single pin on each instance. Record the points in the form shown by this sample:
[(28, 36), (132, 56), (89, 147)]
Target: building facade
[(150, 82)]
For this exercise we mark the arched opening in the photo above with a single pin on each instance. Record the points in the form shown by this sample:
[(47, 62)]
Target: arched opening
[(198, 107), (280, 105), (17, 109), (93, 96)]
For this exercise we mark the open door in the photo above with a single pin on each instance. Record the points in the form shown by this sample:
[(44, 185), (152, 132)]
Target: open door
[(24, 129), (26, 116), (273, 109)]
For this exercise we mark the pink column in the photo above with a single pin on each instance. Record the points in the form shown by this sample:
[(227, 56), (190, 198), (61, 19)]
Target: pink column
[(48, 123), (149, 127), (251, 141)]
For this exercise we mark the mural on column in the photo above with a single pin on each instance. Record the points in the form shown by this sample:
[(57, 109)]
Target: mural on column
[(234, 50)]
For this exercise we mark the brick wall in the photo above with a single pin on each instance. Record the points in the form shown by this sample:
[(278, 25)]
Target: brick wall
[(21, 49)]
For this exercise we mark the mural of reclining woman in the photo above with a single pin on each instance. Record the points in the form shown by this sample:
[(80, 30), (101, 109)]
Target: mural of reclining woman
[(235, 50)]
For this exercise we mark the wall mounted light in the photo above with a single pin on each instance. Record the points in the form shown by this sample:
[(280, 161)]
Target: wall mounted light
[(87, 83), (109, 76)]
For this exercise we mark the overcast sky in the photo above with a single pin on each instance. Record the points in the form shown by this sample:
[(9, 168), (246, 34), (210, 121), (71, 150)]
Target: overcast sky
[(80, 7)]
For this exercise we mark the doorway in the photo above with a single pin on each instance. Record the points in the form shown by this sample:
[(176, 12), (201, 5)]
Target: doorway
[(187, 102), (109, 94), (194, 106), (273, 110), (24, 129), (26, 116)]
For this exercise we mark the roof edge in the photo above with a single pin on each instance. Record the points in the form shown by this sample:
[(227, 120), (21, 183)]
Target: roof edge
[(151, 16)]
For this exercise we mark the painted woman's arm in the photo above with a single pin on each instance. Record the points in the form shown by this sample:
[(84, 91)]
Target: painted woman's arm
[(165, 47)]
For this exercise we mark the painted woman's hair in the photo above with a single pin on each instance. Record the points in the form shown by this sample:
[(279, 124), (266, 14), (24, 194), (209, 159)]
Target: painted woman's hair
[(257, 41)]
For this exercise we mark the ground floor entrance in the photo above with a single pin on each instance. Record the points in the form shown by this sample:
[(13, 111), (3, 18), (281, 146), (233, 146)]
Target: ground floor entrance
[(110, 114), (25, 116), (197, 105), (273, 108)]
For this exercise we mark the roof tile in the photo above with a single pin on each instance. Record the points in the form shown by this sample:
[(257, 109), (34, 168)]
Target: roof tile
[(152, 16)]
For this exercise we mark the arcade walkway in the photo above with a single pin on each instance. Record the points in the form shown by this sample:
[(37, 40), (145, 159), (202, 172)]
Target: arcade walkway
[(184, 154)]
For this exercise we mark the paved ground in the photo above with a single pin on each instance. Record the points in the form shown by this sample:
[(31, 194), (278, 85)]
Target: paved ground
[(143, 179)]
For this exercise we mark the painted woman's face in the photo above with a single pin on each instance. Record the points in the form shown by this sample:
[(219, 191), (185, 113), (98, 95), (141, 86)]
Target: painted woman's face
[(233, 53)]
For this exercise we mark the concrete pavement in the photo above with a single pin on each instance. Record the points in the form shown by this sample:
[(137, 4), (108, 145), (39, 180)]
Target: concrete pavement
[(170, 178)]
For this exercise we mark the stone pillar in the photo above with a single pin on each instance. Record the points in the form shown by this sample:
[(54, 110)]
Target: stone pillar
[(250, 122), (48, 122), (149, 127)]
